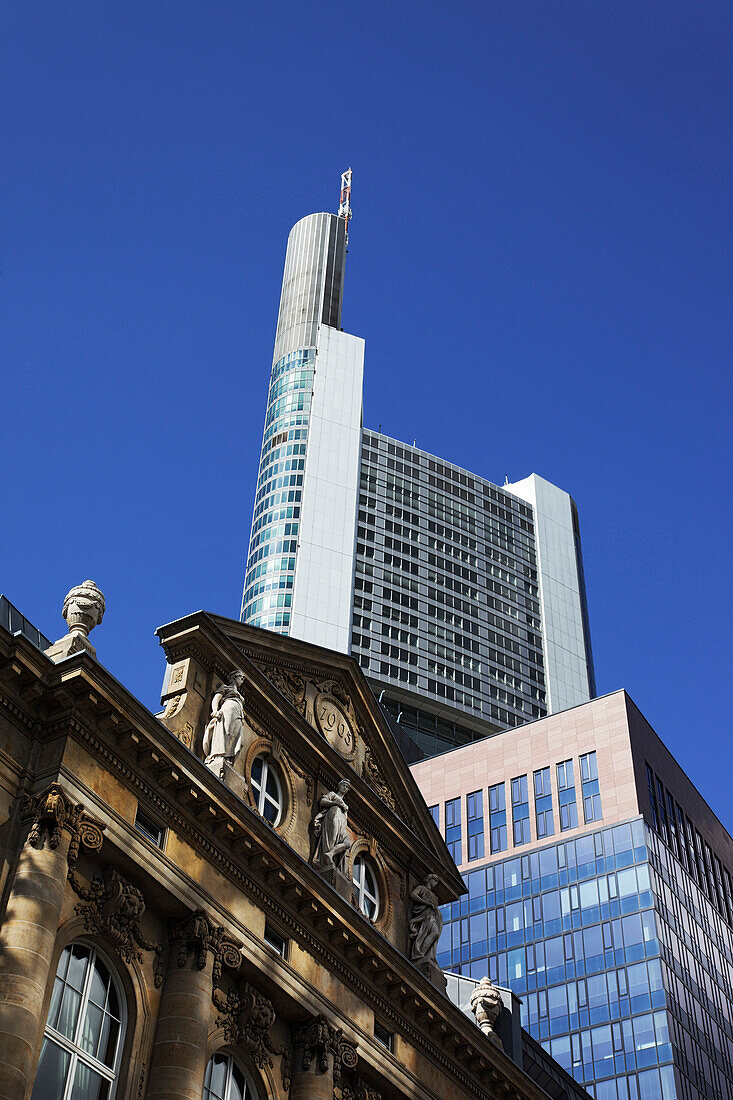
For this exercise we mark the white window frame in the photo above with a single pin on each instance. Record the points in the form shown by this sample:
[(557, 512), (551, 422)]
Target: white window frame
[(260, 789), (73, 1048), (250, 1092), (362, 868)]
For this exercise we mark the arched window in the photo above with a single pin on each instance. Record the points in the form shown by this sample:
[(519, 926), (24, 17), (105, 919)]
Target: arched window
[(225, 1081), (366, 887), (267, 790), (82, 1044)]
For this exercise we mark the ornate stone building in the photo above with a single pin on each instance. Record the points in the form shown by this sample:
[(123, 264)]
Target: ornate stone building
[(236, 897)]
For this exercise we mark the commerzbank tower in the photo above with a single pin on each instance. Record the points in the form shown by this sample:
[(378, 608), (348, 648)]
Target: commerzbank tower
[(463, 601)]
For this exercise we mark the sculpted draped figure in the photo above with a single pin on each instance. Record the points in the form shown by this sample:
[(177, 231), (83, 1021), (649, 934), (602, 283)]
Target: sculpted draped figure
[(224, 733), (426, 921), (332, 840)]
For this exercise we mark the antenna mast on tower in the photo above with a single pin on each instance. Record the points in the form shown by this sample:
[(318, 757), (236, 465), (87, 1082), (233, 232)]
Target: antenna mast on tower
[(345, 210)]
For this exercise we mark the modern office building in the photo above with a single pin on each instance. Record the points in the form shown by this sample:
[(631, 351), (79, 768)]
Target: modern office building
[(464, 602), (599, 891)]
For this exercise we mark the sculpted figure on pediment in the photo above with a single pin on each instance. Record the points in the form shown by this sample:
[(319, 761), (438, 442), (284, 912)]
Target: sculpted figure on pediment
[(331, 836), (426, 921), (225, 731)]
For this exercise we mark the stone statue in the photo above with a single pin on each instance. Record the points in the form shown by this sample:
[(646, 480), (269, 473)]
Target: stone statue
[(486, 1005), (426, 922), (224, 733), (332, 840)]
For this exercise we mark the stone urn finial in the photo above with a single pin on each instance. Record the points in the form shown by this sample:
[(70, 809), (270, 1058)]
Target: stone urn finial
[(486, 1005), (83, 608)]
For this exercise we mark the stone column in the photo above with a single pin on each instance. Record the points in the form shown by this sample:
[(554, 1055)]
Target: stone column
[(321, 1052), (54, 829), (186, 1013)]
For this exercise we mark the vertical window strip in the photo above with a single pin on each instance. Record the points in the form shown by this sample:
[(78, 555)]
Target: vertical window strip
[(475, 824), (520, 810), (652, 798), (544, 822), (566, 796), (590, 790), (453, 828), (497, 818)]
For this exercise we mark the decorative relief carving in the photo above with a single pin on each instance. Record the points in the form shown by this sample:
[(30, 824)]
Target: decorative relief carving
[(323, 703), (486, 1005), (318, 1039), (287, 683), (112, 907), (373, 775), (52, 812), (247, 1017), (174, 704), (334, 723), (185, 734)]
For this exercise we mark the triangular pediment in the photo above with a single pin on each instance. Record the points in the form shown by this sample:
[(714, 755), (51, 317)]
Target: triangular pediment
[(330, 692)]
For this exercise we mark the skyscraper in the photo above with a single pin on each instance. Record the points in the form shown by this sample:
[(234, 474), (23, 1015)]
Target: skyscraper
[(464, 602)]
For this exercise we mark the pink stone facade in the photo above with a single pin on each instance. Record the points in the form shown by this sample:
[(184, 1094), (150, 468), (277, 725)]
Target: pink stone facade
[(614, 728), (601, 725)]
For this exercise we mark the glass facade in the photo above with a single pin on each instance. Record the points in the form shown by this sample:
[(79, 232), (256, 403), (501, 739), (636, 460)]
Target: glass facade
[(268, 586), (623, 964)]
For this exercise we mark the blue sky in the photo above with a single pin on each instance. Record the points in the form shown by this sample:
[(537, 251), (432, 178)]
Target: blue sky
[(539, 262)]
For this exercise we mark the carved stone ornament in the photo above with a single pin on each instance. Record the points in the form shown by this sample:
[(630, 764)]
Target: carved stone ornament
[(83, 608), (112, 907), (376, 780), (319, 1038), (247, 1017), (51, 813), (486, 1005), (196, 935), (323, 703), (289, 684), (334, 722)]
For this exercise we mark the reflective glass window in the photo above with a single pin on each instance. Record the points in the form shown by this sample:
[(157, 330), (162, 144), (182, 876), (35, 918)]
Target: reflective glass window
[(84, 1030), (566, 795)]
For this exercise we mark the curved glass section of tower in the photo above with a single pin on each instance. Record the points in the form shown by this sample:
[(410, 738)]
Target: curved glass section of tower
[(270, 575)]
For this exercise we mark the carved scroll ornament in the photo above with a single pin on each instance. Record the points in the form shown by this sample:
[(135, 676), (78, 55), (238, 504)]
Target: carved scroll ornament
[(319, 1038), (196, 935), (51, 813)]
